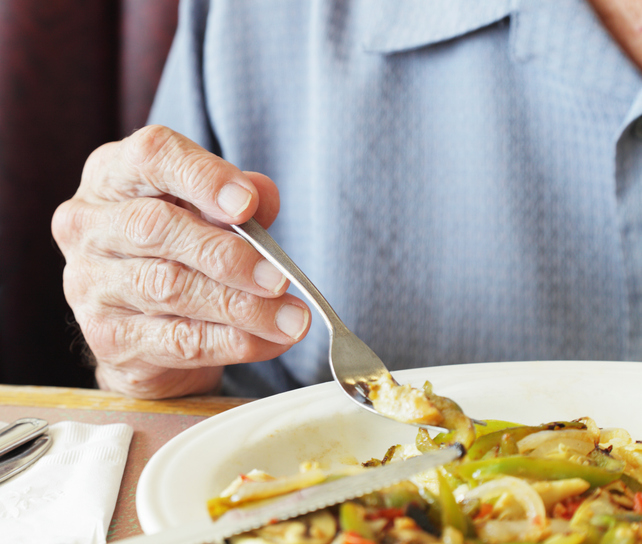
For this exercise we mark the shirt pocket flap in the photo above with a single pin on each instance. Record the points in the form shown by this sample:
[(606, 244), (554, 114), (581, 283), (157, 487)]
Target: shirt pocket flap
[(393, 26)]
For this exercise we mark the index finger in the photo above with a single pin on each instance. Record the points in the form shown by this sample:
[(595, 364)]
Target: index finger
[(155, 161)]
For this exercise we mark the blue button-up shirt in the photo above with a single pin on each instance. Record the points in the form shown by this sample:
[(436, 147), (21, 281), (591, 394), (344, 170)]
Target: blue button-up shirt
[(461, 179)]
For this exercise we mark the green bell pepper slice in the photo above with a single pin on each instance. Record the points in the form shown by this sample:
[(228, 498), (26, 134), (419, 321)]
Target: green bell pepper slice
[(451, 513), (493, 441), (352, 518), (536, 468)]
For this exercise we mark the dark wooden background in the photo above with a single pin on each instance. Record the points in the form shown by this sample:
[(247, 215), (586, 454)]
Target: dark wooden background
[(73, 75)]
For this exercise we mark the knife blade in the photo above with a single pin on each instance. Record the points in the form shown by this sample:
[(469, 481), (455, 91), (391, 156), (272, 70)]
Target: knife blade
[(299, 502)]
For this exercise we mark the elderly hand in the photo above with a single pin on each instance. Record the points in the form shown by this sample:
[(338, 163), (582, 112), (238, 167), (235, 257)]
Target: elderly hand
[(163, 293)]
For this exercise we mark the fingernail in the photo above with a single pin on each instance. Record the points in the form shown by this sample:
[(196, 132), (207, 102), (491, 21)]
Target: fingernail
[(266, 275), (233, 199), (292, 320)]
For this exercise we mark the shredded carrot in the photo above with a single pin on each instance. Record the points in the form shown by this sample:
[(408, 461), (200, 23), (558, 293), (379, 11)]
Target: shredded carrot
[(386, 513), (566, 508), (351, 537), (485, 510), (637, 502)]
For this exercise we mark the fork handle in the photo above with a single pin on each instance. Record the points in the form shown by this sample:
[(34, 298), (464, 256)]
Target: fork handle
[(267, 246)]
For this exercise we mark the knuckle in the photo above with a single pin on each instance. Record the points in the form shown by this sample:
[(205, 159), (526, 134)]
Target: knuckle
[(148, 222), (156, 150), (225, 256), (95, 162), (67, 222), (150, 145), (163, 282), (184, 339), (237, 347), (230, 345), (74, 285), (101, 335), (242, 309), (199, 170)]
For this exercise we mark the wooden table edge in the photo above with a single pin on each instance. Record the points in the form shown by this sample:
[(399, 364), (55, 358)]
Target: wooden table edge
[(94, 399)]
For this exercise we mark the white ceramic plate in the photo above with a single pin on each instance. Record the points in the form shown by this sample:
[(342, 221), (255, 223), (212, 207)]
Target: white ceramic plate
[(320, 423)]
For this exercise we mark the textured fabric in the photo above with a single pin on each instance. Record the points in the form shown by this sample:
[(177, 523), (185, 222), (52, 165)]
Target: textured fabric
[(461, 179)]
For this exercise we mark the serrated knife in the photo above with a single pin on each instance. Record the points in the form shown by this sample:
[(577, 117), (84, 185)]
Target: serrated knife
[(299, 502)]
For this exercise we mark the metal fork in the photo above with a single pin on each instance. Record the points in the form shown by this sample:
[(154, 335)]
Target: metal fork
[(354, 365)]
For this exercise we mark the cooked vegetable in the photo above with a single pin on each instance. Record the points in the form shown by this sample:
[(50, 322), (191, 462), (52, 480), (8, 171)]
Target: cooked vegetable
[(316, 528), (257, 486), (524, 495), (563, 482), (490, 443), (451, 513), (537, 468)]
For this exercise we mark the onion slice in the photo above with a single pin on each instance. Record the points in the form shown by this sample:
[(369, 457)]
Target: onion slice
[(524, 494), (532, 441)]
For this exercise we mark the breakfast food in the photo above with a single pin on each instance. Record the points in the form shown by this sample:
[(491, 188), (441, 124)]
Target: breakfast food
[(559, 483)]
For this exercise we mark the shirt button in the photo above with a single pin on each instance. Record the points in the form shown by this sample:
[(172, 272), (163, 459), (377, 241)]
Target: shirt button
[(636, 129)]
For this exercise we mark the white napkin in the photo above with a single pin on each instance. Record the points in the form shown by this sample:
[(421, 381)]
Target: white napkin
[(68, 496)]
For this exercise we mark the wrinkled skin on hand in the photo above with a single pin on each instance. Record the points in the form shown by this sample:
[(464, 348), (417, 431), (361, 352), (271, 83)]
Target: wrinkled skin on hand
[(164, 293)]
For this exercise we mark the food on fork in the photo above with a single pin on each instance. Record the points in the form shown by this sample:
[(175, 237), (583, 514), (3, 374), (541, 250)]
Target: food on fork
[(408, 404), (403, 402), (557, 483)]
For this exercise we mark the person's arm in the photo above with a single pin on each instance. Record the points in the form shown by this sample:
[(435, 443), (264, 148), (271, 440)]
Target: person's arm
[(164, 295)]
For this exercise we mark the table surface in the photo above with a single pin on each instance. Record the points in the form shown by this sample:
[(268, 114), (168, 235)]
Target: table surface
[(154, 422)]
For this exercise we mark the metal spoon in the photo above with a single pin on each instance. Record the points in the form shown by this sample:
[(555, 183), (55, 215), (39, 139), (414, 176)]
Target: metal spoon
[(354, 365)]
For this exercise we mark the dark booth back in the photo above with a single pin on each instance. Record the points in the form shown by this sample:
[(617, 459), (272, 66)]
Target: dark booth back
[(73, 74)]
